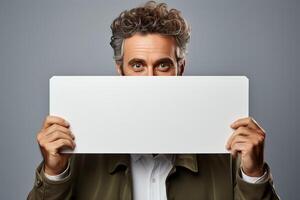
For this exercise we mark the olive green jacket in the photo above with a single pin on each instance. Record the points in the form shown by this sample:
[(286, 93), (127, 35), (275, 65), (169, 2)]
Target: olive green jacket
[(108, 177)]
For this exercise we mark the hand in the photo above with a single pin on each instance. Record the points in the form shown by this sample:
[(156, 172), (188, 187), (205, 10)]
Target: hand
[(248, 140), (55, 135)]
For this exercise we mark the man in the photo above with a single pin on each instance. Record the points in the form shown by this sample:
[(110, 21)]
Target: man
[(151, 41)]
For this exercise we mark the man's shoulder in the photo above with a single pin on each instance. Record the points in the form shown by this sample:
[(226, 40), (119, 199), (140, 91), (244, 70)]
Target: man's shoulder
[(98, 160), (217, 161), (214, 157)]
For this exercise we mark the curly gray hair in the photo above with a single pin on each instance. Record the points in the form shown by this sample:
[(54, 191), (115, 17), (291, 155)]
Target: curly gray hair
[(150, 18)]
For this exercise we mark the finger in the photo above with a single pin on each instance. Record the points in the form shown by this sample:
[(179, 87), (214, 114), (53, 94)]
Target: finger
[(56, 127), (54, 147), (256, 140), (44, 142), (56, 135), (246, 143), (46, 137), (238, 139), (247, 122), (237, 148), (240, 131), (50, 120)]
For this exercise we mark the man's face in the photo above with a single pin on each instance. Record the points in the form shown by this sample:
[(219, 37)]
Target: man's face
[(150, 55)]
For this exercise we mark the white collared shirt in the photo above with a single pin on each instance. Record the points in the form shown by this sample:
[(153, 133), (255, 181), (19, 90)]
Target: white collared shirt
[(149, 174)]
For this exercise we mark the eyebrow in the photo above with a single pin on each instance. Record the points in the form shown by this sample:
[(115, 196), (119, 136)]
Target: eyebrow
[(164, 60), (136, 60), (161, 60)]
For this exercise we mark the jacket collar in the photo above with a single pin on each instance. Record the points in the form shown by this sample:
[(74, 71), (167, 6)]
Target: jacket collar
[(116, 161), (188, 161)]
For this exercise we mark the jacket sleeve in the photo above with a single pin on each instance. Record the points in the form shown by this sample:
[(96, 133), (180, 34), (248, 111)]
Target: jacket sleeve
[(45, 189), (252, 191)]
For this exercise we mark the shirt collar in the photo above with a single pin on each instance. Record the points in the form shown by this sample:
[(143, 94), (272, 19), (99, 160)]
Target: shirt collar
[(188, 161), (138, 157)]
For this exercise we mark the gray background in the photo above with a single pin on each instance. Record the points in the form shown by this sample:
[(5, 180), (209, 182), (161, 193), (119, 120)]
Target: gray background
[(38, 39)]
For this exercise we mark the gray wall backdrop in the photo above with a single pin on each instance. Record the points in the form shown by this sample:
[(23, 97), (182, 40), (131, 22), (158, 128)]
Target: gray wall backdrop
[(39, 39)]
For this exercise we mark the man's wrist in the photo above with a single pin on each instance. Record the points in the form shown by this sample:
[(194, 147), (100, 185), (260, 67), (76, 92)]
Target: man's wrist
[(255, 173), (255, 179), (60, 176)]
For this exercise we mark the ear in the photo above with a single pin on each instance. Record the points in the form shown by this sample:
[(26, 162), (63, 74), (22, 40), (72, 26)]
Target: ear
[(119, 69), (181, 66)]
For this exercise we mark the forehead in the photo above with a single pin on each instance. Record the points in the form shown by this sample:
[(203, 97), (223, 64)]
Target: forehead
[(145, 45)]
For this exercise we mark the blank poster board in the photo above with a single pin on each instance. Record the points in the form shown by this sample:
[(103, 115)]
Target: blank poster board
[(155, 114)]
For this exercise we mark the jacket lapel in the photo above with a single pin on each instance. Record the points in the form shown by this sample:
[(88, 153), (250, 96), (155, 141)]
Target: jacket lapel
[(121, 162), (189, 161)]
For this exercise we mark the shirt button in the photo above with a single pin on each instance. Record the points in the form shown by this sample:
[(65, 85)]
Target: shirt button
[(153, 180)]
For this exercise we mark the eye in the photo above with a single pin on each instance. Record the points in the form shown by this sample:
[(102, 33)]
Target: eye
[(164, 66), (137, 66)]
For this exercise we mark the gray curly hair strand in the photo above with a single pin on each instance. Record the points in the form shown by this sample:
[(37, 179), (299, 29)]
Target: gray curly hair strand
[(150, 18)]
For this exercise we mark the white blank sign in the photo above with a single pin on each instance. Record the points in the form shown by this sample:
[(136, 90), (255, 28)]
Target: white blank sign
[(157, 114)]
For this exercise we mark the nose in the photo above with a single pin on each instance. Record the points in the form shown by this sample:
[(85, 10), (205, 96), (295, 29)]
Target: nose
[(150, 71)]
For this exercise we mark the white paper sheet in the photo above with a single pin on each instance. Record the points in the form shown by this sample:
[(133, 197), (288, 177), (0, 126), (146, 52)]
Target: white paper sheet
[(140, 114)]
